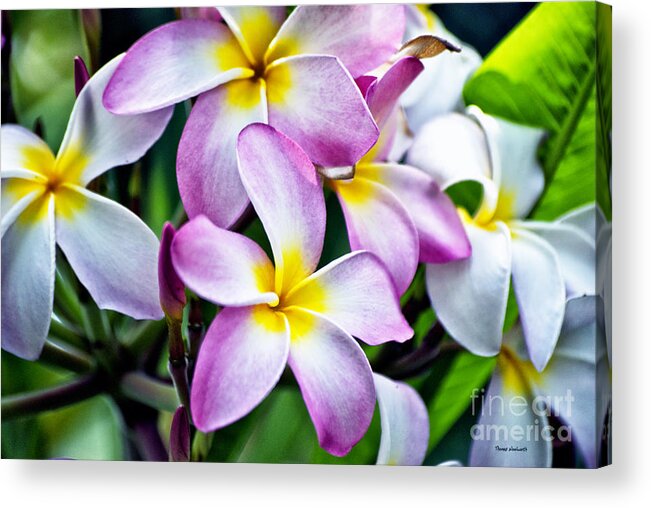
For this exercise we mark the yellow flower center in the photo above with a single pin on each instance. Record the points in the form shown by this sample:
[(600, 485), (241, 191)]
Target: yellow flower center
[(57, 176)]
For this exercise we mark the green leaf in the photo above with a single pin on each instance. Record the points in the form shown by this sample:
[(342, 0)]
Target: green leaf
[(90, 430), (543, 74), (466, 373), (44, 44)]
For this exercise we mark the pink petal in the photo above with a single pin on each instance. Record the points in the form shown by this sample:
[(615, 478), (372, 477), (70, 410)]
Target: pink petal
[(377, 221), (223, 267), (382, 97), (314, 100), (441, 234), (355, 292), (362, 36), (241, 359), (207, 174), (172, 63), (286, 193), (335, 380)]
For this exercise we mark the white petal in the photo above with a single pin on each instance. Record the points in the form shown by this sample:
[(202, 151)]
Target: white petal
[(113, 253), (451, 148), (540, 293), (405, 423), (522, 179), (21, 149), (28, 251), (469, 296), (575, 252), (96, 140)]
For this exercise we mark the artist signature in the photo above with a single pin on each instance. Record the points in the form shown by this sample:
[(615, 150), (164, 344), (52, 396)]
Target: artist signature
[(510, 448)]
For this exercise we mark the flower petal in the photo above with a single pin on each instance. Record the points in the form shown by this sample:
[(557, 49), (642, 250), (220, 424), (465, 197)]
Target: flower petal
[(314, 101), (172, 63), (254, 27), (382, 98), (577, 378), (368, 208), (356, 293), (575, 251), (441, 234), (207, 174), (241, 359), (521, 177), (17, 194), (97, 140), (383, 94), (503, 425), (335, 379), (540, 293), (286, 193), (451, 148), (439, 88), (362, 36), (469, 296), (221, 266), (28, 265), (23, 152), (405, 423), (113, 253)]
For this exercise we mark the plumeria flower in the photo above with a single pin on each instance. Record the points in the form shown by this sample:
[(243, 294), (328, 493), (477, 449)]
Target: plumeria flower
[(546, 261), (404, 421), (293, 73), (397, 211), (574, 387), (439, 89), (285, 313), (45, 202)]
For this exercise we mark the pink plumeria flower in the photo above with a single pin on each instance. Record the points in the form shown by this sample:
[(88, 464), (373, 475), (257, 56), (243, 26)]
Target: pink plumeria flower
[(574, 387), (548, 262), (394, 210), (293, 73), (45, 202), (285, 313), (404, 421)]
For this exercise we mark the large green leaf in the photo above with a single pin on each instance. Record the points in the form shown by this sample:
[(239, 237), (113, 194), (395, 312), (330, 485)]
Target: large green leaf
[(43, 46), (543, 74)]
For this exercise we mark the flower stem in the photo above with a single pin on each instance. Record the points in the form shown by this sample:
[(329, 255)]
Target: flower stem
[(149, 391), (66, 333), (66, 356), (24, 404), (178, 363)]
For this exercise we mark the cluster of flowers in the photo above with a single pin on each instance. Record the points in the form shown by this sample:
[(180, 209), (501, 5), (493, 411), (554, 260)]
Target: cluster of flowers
[(287, 105)]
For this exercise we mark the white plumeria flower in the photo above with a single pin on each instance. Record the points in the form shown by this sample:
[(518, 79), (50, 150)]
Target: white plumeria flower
[(514, 427), (438, 90), (546, 261), (45, 202)]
